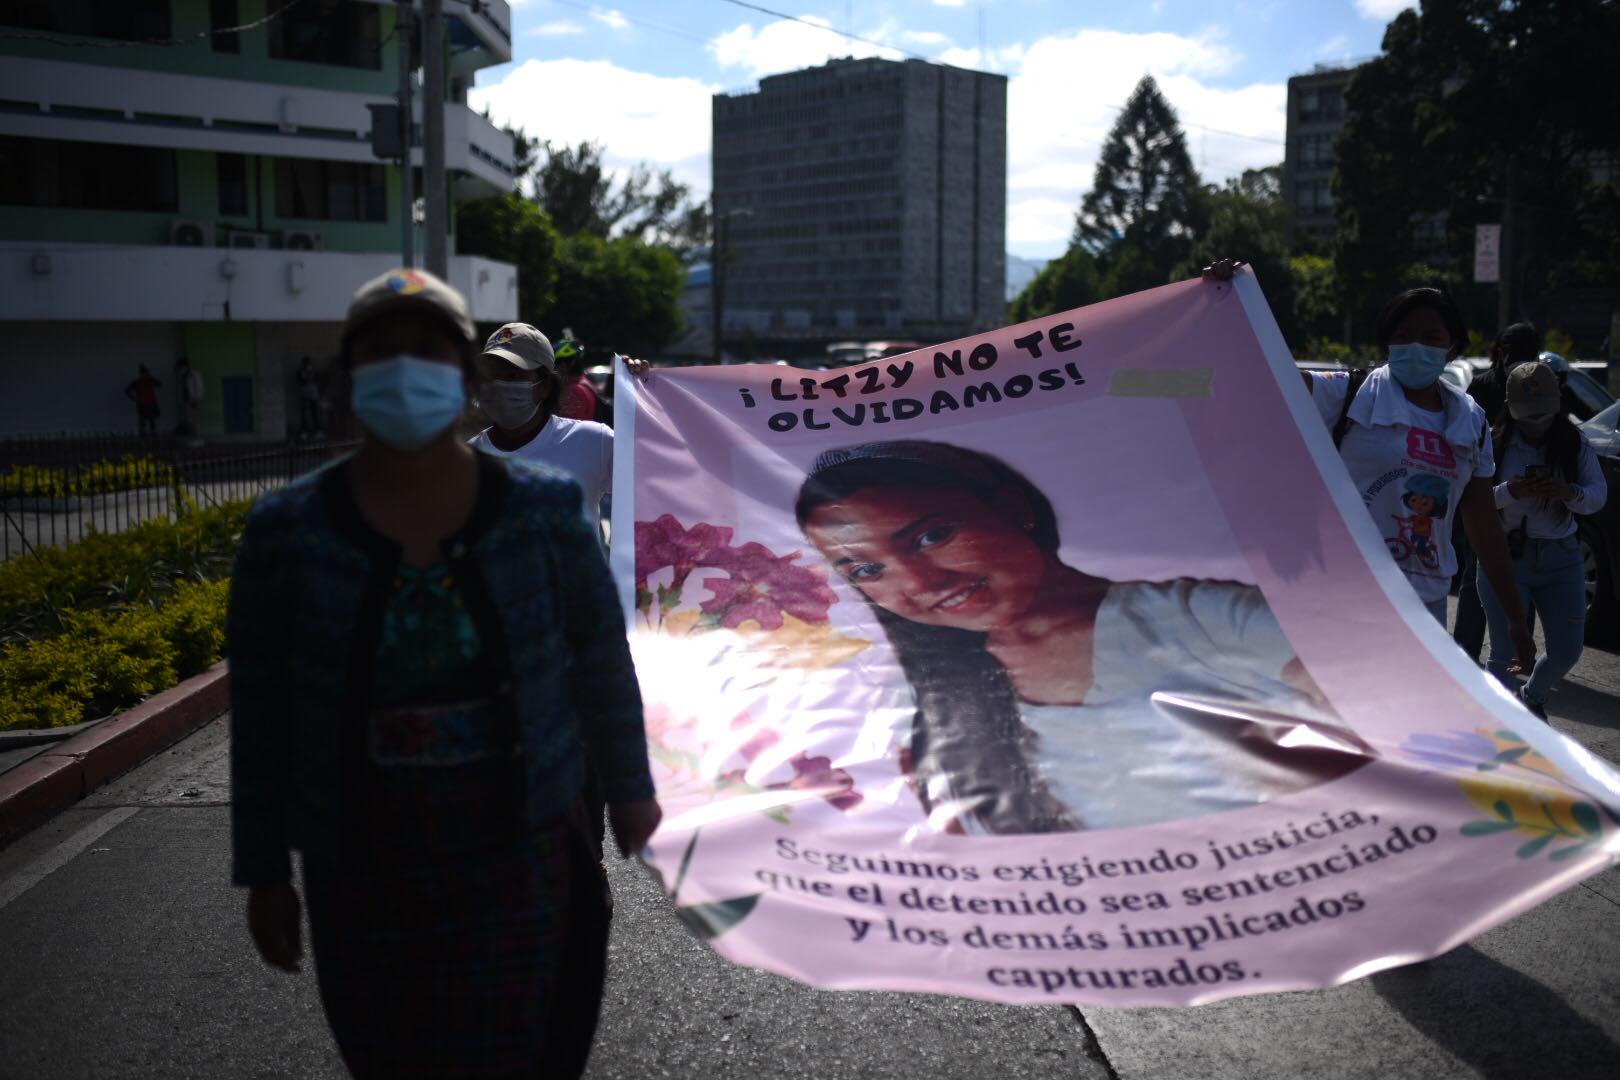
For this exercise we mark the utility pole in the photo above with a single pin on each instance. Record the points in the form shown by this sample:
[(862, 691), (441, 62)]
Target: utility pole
[(1504, 288), (434, 194), (716, 282), (407, 179), (717, 258)]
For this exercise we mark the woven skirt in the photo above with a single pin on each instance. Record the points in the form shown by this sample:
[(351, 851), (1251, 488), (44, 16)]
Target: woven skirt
[(453, 947)]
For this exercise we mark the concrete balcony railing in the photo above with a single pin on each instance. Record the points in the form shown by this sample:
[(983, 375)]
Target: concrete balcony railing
[(93, 103), (90, 283)]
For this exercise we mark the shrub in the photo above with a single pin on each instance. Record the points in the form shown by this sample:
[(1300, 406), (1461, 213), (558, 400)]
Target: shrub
[(101, 478), (105, 661), (140, 565)]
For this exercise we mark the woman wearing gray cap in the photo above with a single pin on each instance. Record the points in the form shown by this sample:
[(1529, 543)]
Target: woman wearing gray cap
[(410, 631), (519, 389), (1546, 473)]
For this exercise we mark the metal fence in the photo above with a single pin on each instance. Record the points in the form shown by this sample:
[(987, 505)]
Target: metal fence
[(56, 489)]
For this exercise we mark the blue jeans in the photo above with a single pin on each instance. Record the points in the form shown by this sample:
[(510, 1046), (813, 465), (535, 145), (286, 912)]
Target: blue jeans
[(1550, 576)]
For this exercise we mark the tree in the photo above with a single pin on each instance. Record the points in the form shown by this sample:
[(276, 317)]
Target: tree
[(1248, 220), (1318, 305), (1482, 111), (574, 187), (619, 294), (514, 229), (1144, 197), (1062, 284)]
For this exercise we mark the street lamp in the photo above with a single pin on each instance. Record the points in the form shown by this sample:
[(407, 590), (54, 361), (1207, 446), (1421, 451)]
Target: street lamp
[(716, 275)]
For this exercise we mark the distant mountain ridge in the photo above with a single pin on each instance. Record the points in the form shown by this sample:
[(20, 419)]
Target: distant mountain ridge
[(1020, 272)]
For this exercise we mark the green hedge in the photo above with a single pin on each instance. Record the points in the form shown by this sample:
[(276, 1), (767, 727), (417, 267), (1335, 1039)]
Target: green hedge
[(101, 478), (96, 627), (105, 661), (138, 566)]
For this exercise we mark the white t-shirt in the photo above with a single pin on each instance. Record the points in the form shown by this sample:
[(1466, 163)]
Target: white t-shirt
[(1411, 467), (581, 448), (1543, 518), (1187, 683)]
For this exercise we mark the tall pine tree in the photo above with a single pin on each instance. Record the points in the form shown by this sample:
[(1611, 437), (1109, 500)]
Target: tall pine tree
[(1143, 211)]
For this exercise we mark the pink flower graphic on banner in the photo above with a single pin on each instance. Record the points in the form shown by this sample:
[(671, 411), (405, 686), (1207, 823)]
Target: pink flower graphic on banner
[(664, 543), (813, 773), (763, 587)]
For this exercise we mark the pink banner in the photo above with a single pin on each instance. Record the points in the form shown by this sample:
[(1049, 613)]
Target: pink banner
[(1063, 664)]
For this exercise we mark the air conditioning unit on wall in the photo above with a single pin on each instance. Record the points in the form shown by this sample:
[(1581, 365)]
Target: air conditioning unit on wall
[(304, 241), (191, 233)]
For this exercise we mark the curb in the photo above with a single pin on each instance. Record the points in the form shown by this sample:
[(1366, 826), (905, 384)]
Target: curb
[(54, 780)]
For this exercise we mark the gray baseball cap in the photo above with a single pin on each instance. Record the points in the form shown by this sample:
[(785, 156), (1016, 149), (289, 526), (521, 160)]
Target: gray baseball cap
[(1532, 390), (521, 345)]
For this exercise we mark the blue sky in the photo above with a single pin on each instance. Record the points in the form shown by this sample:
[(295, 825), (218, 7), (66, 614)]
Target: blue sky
[(637, 75)]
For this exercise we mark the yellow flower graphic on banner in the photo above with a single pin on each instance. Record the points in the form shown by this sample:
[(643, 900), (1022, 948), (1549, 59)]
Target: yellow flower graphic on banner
[(1518, 789)]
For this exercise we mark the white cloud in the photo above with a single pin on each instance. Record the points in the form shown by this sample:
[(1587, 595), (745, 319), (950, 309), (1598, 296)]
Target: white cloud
[(1064, 95), (949, 3), (634, 115), (557, 29), (1382, 10), (1337, 45), (611, 18), (925, 37), (785, 46)]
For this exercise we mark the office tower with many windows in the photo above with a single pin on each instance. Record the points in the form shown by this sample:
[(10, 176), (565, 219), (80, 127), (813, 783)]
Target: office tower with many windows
[(863, 199), (1316, 115)]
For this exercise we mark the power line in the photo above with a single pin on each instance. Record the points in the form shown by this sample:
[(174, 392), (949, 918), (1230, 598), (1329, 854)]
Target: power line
[(594, 9), (167, 43), (918, 56), (831, 30)]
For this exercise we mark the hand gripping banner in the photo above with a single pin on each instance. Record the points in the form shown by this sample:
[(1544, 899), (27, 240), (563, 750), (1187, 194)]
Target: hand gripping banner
[(1063, 664)]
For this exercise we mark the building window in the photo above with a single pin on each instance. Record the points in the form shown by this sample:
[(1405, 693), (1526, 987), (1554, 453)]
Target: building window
[(1316, 151), (330, 190), (51, 173), (329, 32), (1313, 197), (121, 20), (222, 13), (233, 187), (1321, 104)]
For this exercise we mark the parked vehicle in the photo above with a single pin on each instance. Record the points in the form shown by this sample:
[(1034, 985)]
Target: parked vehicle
[(1600, 533), (844, 353)]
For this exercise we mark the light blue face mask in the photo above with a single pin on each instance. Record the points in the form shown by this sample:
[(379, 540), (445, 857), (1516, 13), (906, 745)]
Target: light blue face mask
[(407, 402), (1415, 366)]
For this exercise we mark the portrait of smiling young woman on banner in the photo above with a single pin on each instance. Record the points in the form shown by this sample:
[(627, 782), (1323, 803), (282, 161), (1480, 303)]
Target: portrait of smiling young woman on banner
[(1050, 699)]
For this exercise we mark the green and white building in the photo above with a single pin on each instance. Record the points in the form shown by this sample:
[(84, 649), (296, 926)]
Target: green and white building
[(215, 197)]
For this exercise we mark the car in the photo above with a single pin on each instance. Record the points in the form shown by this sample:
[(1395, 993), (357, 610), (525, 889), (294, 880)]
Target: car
[(1600, 532)]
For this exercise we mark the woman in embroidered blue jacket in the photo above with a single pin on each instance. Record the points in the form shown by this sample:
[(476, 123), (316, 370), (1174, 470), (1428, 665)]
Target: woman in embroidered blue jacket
[(424, 643)]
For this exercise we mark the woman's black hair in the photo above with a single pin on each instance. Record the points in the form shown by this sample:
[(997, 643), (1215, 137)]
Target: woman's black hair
[(1518, 344), (968, 728), (1413, 299)]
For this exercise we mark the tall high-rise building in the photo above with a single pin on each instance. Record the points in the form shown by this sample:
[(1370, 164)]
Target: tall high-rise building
[(863, 199), (196, 178), (1316, 115)]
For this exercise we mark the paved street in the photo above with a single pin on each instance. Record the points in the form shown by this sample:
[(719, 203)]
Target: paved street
[(123, 954)]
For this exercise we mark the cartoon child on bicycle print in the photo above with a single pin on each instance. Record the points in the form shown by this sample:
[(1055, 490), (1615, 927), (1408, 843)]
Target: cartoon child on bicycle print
[(1426, 498)]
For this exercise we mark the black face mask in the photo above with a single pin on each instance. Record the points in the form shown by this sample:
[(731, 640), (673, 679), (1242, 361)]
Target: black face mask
[(1535, 426)]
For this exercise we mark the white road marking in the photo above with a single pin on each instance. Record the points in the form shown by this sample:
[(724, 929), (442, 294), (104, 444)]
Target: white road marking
[(63, 853)]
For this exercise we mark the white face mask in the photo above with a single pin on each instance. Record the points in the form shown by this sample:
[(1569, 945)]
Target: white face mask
[(510, 403)]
